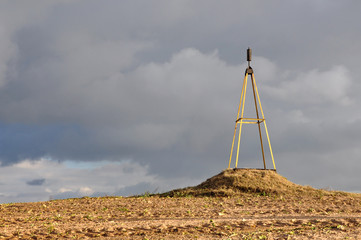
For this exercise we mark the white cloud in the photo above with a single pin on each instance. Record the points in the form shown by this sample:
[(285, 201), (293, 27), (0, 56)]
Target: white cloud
[(74, 180), (59, 179), (314, 87), (86, 191)]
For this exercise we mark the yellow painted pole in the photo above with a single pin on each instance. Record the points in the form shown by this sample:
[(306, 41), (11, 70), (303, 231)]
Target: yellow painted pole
[(234, 135), (244, 94), (259, 100), (269, 144), (265, 125), (240, 126), (235, 127), (259, 125), (239, 140)]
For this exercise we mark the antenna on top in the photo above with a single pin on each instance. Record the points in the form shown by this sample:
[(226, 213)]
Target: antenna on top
[(249, 56)]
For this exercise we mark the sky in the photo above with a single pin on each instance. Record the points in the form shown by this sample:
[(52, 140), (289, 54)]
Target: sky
[(126, 97)]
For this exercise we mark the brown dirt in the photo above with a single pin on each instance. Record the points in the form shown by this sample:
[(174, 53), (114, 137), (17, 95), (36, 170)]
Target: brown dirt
[(236, 204)]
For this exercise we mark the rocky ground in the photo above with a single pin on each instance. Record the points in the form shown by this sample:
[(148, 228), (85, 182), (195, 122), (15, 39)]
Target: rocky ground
[(317, 214)]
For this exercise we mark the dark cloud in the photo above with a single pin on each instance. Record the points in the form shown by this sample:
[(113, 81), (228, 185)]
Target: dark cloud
[(36, 182), (161, 87)]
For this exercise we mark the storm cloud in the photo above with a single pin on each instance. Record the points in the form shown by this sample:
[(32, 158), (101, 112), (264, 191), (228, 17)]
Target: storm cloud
[(156, 84)]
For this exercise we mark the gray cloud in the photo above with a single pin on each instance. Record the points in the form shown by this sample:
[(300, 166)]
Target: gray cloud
[(158, 84), (36, 182)]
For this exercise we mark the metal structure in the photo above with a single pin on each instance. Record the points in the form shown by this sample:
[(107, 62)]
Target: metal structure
[(244, 120)]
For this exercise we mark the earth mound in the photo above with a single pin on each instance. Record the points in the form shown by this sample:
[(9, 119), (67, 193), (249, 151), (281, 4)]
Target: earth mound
[(237, 181)]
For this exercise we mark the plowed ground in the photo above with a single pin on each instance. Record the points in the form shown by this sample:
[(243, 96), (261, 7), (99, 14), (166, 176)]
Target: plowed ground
[(247, 216)]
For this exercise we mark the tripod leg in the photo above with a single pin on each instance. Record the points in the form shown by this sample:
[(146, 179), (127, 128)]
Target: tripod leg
[(258, 122), (234, 135), (265, 126), (269, 144), (260, 137), (239, 141), (240, 127), (243, 93)]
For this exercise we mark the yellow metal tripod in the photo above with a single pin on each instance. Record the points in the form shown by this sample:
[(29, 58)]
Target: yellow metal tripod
[(243, 120)]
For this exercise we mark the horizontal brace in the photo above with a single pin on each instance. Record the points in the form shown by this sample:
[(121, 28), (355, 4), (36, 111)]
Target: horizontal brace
[(252, 119), (250, 122)]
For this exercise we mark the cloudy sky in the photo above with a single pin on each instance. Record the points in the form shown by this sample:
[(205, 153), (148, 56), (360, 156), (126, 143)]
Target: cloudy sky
[(123, 97)]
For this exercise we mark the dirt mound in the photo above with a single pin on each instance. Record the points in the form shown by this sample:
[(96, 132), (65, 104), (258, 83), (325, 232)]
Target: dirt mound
[(236, 181)]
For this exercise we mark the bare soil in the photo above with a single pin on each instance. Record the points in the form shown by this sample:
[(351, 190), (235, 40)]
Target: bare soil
[(243, 204)]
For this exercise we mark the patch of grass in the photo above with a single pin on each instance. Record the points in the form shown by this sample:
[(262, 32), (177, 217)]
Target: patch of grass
[(123, 209), (88, 216), (311, 210), (145, 194)]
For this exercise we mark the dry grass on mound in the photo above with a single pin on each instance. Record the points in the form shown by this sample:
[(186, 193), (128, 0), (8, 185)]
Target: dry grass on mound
[(238, 181)]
